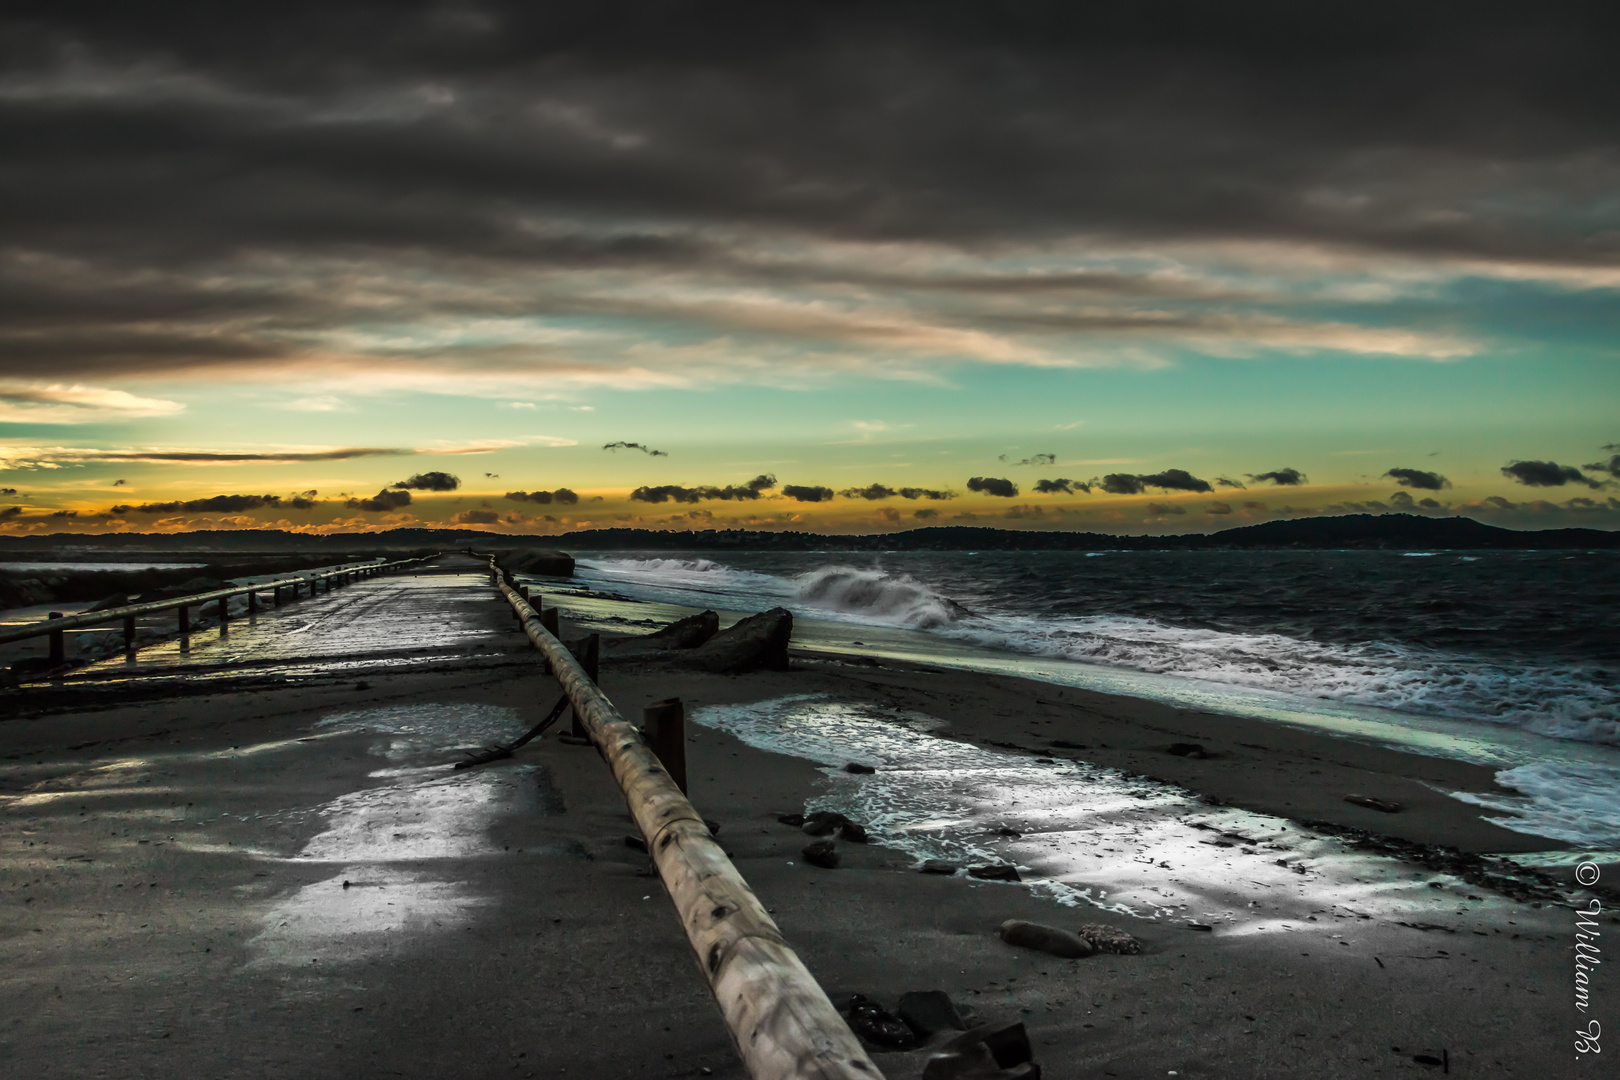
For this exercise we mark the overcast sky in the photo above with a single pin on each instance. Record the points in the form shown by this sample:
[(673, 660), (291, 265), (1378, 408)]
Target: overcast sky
[(1188, 265)]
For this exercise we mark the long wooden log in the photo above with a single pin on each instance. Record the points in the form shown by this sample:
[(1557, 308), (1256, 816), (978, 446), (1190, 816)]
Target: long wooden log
[(780, 1019)]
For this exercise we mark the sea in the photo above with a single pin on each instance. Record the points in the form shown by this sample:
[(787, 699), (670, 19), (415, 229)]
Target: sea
[(1504, 658)]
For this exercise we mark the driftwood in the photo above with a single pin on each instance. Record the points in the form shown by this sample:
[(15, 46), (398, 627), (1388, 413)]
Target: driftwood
[(780, 1020), (496, 753)]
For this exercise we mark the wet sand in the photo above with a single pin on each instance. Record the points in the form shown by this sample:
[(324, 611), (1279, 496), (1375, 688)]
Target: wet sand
[(173, 902)]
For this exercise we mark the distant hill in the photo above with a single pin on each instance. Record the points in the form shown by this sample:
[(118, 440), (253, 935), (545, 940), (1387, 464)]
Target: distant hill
[(1405, 532)]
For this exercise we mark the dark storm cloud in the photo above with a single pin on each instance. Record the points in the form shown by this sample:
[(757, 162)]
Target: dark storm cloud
[(430, 481), (1419, 478), (544, 498), (476, 517), (10, 512), (1280, 477), (220, 504), (1546, 474), (804, 493), (196, 150), (870, 491), (1175, 480), (119, 483), (1228, 482), (675, 492), (385, 499), (1121, 484), (65, 514), (1612, 466), (925, 514), (649, 451), (926, 493), (1033, 459), (1061, 484), (991, 485), (8, 491), (1218, 508)]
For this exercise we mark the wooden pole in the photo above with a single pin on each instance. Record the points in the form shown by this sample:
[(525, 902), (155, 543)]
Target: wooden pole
[(129, 633), (185, 619), (253, 603), (58, 642), (224, 612), (780, 1020), (664, 724), (589, 660)]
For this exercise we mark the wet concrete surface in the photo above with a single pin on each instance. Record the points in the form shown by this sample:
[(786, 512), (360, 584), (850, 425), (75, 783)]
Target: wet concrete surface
[(291, 880)]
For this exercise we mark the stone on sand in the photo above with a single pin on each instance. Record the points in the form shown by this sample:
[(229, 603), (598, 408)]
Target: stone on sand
[(989, 1052), (822, 853), (1046, 939)]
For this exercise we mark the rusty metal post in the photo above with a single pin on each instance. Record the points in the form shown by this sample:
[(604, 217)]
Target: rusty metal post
[(664, 725), (589, 657), (185, 619), (58, 642), (129, 633)]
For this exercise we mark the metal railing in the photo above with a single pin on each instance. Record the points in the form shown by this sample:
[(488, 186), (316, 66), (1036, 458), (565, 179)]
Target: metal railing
[(56, 626), (780, 1019)]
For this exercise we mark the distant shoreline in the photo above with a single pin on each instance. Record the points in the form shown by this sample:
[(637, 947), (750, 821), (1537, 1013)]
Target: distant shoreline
[(1361, 531)]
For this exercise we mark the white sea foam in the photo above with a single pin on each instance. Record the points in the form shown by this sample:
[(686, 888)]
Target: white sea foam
[(1571, 801), (879, 597)]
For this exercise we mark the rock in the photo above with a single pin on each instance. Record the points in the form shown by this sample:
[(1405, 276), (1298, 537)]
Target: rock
[(757, 643), (1375, 804), (995, 872), (1204, 927), (1187, 749), (822, 822), (1004, 831), (712, 825), (859, 769), (795, 820), (937, 866), (568, 739), (928, 1012), (1046, 939), (829, 822), (822, 853), (1064, 744), (990, 1052), (107, 603), (878, 1026), (542, 561), (1110, 940), (687, 633)]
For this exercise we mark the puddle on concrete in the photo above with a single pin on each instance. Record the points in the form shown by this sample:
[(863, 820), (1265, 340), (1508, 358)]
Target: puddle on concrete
[(387, 839), (1082, 834)]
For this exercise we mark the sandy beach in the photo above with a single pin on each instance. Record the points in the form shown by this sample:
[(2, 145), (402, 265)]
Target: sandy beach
[(272, 884)]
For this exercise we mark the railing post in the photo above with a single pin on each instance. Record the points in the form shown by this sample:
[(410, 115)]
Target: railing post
[(548, 619), (58, 642), (224, 612), (185, 619), (253, 602), (129, 633), (588, 660), (664, 725)]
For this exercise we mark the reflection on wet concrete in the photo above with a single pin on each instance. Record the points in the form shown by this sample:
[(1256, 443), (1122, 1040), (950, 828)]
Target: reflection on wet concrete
[(362, 910), (394, 841), (1082, 834)]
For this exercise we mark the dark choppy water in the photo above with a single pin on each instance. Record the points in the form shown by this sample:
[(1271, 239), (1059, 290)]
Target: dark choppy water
[(1519, 638)]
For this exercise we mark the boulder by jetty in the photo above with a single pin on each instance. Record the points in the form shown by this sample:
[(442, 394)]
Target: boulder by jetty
[(757, 643), (1046, 939), (687, 633), (544, 562)]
